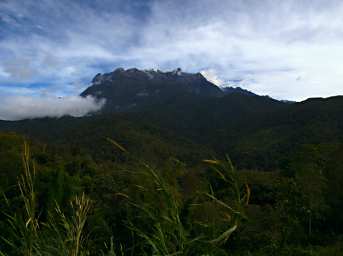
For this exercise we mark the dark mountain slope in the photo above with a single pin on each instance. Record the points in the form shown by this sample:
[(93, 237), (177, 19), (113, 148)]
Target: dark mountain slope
[(203, 119), (187, 115), (229, 90), (257, 132), (132, 89), (311, 122)]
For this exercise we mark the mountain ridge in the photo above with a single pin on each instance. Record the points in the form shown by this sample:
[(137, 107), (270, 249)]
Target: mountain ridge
[(130, 89)]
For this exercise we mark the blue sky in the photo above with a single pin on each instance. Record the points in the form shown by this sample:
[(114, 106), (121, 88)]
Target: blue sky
[(288, 49)]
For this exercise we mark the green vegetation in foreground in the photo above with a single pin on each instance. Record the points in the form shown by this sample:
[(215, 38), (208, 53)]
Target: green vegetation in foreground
[(54, 204)]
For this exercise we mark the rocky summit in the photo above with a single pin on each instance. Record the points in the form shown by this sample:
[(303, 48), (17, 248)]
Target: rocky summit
[(130, 89)]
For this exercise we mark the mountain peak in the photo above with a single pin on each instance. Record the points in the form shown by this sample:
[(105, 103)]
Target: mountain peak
[(126, 89), (149, 74), (130, 89)]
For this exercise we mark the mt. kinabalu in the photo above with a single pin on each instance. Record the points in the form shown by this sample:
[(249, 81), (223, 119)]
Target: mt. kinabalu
[(125, 90)]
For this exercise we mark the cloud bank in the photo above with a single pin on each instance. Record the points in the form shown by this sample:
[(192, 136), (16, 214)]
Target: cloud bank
[(288, 49), (25, 107)]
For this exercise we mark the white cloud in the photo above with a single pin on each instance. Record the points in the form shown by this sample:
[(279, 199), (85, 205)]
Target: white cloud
[(267, 44), (27, 107)]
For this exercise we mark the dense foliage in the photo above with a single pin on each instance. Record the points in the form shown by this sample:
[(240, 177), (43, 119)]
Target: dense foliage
[(147, 183)]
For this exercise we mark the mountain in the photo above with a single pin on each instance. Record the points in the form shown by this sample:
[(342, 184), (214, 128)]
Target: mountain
[(132, 89), (229, 90), (256, 131)]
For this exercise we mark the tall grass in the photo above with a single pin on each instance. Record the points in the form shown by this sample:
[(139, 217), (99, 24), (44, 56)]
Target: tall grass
[(24, 226), (61, 235), (167, 234), (234, 207), (65, 235)]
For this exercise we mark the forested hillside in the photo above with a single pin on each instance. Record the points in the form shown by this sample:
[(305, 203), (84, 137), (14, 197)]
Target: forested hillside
[(159, 181)]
